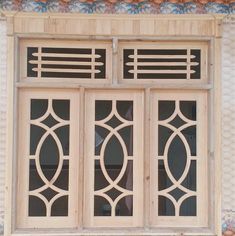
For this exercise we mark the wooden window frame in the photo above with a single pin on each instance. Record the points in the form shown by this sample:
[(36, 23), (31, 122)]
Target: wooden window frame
[(117, 27)]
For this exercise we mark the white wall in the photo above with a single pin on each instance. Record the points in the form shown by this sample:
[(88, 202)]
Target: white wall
[(228, 122), (2, 115)]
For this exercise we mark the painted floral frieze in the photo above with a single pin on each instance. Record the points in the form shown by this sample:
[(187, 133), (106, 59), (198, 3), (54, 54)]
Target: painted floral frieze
[(122, 7)]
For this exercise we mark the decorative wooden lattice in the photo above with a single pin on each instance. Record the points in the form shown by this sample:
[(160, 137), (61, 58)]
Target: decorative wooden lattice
[(163, 61)]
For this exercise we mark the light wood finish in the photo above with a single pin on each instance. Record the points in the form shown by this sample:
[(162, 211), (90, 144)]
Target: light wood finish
[(31, 27), (9, 211), (23, 193), (179, 45), (144, 25), (201, 193), (114, 221), (92, 45)]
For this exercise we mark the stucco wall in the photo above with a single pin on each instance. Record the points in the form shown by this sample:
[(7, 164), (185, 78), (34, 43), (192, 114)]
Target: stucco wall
[(228, 124), (2, 115)]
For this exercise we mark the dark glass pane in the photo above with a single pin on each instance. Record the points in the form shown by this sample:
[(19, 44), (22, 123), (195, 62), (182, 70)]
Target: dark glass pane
[(62, 108), (164, 134), (113, 157), (113, 193), (36, 133), (102, 109), (125, 109), (38, 108), (124, 206), (100, 180), (190, 135), (49, 157), (72, 52), (165, 207), (60, 207), (50, 121), (63, 135), (67, 50), (127, 136), (31, 66), (177, 193), (189, 207), (177, 157), (102, 59), (49, 193), (163, 179), (189, 109), (196, 68), (126, 67), (126, 181), (114, 122), (100, 135), (35, 180), (177, 122), (101, 207), (165, 67), (165, 109), (36, 207), (190, 182), (62, 181)]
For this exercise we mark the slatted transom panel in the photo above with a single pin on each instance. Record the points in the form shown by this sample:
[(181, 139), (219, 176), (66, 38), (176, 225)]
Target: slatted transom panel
[(147, 61), (66, 59)]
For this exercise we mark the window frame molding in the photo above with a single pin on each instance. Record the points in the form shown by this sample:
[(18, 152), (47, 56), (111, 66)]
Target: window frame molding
[(116, 27)]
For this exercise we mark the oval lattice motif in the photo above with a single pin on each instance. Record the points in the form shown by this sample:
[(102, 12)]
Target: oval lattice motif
[(113, 157), (49, 157), (177, 157)]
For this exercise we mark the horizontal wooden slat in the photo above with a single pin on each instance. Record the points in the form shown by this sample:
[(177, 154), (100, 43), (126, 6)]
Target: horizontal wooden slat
[(65, 63), (162, 56), (36, 54), (162, 63), (66, 70), (161, 71)]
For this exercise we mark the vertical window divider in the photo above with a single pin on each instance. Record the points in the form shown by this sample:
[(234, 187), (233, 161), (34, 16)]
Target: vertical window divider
[(114, 73), (147, 137), (188, 63), (93, 63), (135, 64), (39, 62), (81, 152)]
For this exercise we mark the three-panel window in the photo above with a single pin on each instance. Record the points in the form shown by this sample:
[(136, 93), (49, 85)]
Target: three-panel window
[(112, 134)]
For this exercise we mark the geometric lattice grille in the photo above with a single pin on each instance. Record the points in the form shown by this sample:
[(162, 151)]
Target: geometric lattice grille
[(49, 157), (148, 61), (52, 62), (177, 161), (162, 64), (113, 158)]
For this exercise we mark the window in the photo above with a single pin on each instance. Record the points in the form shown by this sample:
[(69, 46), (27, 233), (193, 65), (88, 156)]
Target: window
[(114, 124), (114, 133)]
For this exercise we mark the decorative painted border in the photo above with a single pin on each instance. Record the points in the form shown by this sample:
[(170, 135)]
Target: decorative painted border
[(122, 7), (228, 223)]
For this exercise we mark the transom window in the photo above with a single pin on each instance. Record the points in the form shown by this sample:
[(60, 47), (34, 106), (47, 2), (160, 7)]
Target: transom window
[(96, 151)]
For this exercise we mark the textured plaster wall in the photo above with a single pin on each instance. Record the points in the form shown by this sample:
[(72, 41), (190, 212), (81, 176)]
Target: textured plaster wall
[(228, 126), (2, 116)]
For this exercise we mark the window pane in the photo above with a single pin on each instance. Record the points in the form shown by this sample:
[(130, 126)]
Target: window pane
[(49, 146)]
